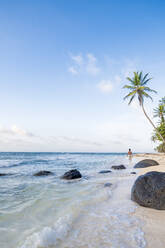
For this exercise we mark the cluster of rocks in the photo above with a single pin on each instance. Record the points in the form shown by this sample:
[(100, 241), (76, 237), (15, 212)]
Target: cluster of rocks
[(69, 175), (149, 189), (75, 174)]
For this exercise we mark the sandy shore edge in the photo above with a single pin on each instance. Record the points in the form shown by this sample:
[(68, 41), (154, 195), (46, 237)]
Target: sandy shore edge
[(154, 220)]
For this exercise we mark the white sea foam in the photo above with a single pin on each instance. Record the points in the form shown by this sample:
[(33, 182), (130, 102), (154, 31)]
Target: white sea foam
[(49, 236), (52, 213), (108, 223)]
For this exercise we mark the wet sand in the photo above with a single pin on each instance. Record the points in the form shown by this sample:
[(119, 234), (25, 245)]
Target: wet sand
[(154, 220)]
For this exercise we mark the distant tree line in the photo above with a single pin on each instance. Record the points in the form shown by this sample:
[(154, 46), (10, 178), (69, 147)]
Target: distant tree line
[(159, 113)]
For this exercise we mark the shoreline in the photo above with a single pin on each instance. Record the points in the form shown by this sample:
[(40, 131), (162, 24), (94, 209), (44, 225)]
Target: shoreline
[(153, 219)]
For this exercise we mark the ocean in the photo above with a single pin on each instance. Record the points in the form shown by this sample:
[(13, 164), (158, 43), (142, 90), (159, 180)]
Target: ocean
[(48, 212)]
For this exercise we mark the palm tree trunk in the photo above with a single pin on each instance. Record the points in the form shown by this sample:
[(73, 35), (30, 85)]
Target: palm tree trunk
[(152, 123)]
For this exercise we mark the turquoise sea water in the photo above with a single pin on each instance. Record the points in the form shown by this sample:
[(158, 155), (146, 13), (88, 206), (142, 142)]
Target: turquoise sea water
[(47, 212)]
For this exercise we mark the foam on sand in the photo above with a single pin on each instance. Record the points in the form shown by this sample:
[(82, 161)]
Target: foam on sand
[(109, 221)]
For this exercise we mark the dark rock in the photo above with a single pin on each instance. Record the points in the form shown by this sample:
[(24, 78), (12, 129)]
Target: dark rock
[(118, 167), (107, 184), (133, 172), (43, 173), (149, 190), (3, 174), (146, 163), (105, 171), (72, 174)]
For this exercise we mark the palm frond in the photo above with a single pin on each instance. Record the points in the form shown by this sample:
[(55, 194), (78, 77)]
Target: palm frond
[(130, 94), (146, 81), (131, 99), (150, 90), (128, 87), (146, 95), (129, 79), (146, 75), (140, 75)]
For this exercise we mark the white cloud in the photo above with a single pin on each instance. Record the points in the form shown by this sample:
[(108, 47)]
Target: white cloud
[(14, 130), (91, 66), (129, 67), (78, 59), (86, 64), (19, 139), (91, 58), (21, 132), (73, 70), (117, 134), (105, 86)]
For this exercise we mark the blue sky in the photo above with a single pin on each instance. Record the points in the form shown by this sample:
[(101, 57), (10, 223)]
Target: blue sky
[(62, 68)]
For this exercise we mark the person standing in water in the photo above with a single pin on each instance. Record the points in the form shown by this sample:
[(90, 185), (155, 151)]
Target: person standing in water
[(129, 154)]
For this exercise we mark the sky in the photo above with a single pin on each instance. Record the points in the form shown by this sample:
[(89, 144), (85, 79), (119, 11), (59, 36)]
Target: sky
[(62, 68)]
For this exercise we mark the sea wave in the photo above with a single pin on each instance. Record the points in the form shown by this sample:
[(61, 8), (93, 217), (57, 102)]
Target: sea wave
[(102, 222), (49, 212), (22, 163), (50, 236)]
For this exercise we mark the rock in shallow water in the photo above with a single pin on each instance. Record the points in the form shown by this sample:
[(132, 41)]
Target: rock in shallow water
[(72, 174), (149, 190), (146, 163), (3, 174), (107, 184), (43, 173), (105, 171), (118, 167)]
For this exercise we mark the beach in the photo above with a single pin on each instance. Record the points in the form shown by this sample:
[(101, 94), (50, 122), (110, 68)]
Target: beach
[(154, 220), (82, 102), (91, 212)]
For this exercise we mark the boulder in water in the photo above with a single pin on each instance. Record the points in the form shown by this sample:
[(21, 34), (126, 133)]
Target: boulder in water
[(72, 174), (43, 173), (105, 171), (3, 174), (107, 184), (149, 190), (146, 163), (118, 167)]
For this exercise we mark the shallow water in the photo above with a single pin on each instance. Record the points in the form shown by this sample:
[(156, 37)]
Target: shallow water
[(47, 212)]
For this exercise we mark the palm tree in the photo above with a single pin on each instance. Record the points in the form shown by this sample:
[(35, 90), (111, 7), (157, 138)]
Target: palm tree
[(162, 101), (160, 112), (138, 88)]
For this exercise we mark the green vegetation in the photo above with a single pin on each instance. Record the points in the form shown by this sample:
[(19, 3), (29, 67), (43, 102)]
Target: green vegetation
[(138, 87), (159, 112)]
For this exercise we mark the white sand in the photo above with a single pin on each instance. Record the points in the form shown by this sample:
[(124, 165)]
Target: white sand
[(154, 227)]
